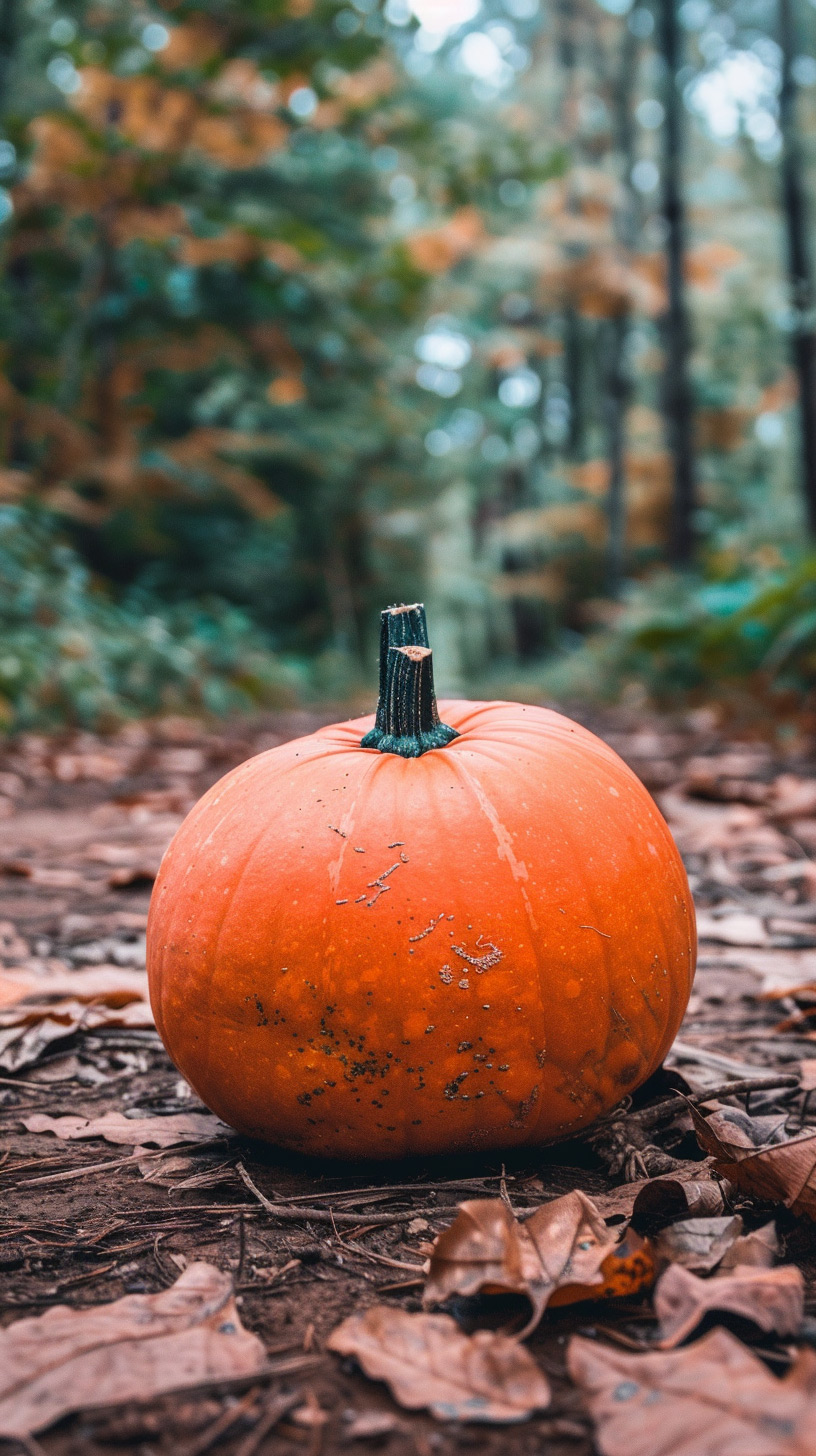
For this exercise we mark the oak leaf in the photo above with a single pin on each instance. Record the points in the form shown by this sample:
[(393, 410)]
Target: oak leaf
[(773, 1299), (427, 1362), (744, 1152), (114, 1127), (699, 1243), (487, 1250), (713, 1398), (135, 1348)]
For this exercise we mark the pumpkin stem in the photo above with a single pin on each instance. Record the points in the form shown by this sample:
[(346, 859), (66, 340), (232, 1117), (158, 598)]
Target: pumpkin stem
[(407, 720)]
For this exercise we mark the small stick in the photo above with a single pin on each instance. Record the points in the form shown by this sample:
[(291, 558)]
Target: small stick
[(278, 1407), (116, 1163), (650, 1115), (286, 1213), (218, 1427)]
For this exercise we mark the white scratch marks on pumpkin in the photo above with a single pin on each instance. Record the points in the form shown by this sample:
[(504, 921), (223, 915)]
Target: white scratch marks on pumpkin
[(491, 955), (517, 867), (428, 928), (378, 886)]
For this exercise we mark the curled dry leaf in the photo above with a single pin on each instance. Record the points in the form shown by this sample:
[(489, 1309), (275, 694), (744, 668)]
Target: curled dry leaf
[(782, 1172), (690, 1191), (137, 1347), (713, 1398), (698, 1243), (487, 1250), (428, 1363), (114, 1127), (37, 1010), (772, 1299)]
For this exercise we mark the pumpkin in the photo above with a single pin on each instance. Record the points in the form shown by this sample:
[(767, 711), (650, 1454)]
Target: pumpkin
[(421, 936)]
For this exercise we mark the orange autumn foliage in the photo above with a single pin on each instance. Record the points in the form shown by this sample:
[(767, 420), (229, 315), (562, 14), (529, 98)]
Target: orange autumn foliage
[(438, 249)]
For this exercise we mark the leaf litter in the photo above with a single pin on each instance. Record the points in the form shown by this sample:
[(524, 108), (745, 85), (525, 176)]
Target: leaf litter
[(564, 1247), (747, 831)]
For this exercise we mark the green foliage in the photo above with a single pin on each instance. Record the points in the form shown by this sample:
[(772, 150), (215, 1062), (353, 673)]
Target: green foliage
[(682, 636), (72, 654)]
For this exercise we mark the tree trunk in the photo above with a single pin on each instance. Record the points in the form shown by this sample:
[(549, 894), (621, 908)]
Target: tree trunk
[(618, 384), (800, 273), (677, 403), (8, 39)]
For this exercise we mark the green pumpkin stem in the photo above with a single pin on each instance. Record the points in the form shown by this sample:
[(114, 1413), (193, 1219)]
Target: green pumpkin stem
[(407, 721)]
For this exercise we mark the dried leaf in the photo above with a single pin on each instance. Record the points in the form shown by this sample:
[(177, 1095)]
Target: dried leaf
[(627, 1271), (114, 1127), (135, 1348), (698, 1243), (39, 1007), (773, 1299), (782, 1172), (427, 1362), (758, 1250), (713, 1398), (487, 1250), (692, 1192)]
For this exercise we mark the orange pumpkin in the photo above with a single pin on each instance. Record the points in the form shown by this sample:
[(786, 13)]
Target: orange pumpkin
[(457, 937)]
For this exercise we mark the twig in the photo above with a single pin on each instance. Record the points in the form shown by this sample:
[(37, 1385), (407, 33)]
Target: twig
[(376, 1258), (287, 1214), (140, 1157), (221, 1425), (649, 1115), (278, 1407), (241, 1248)]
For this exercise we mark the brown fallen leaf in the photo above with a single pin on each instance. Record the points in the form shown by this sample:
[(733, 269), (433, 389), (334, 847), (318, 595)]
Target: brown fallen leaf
[(779, 1171), (698, 1243), (627, 1271), (137, 1347), (114, 1127), (772, 1299), (758, 1250), (487, 1250), (690, 1191), (38, 1008), (428, 1363), (713, 1398)]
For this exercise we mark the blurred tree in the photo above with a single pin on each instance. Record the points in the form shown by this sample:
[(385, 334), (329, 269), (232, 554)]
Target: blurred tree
[(309, 305), (800, 267), (677, 386)]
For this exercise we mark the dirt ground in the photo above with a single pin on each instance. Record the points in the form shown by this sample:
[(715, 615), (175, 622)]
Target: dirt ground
[(83, 823)]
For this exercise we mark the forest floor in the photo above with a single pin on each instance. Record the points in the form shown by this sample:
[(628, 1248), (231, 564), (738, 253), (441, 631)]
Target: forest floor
[(90, 1215)]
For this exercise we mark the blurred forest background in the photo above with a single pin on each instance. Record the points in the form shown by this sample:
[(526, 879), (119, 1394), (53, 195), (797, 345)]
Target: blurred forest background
[(308, 307)]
